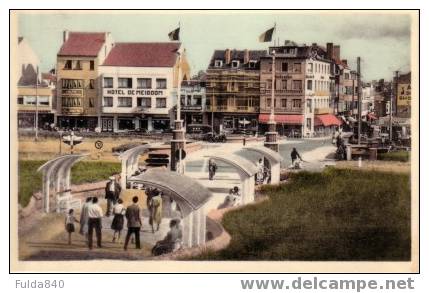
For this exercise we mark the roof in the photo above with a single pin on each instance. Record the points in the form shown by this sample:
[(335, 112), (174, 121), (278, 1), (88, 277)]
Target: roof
[(188, 193), (254, 55), (143, 54), (326, 120), (267, 152), (243, 165), (49, 76), (82, 44), (291, 119)]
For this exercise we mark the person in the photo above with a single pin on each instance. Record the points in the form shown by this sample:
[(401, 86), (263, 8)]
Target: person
[(84, 217), (212, 169), (260, 173), (95, 213), (294, 156), (118, 220), (69, 223), (235, 195), (172, 241), (155, 209), (134, 223), (113, 190)]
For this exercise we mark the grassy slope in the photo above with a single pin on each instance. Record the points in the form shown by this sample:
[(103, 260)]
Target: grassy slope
[(31, 181), (334, 215)]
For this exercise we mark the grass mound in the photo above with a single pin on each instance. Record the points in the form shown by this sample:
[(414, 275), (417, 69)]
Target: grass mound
[(400, 156), (30, 181), (333, 215)]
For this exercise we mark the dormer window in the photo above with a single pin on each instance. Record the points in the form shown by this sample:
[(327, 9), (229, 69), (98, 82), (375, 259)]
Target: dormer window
[(235, 64), (218, 63), (252, 64)]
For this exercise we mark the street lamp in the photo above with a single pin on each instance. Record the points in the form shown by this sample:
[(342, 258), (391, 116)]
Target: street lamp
[(271, 134)]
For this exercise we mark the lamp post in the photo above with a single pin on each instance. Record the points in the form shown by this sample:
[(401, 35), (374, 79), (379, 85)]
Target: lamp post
[(178, 141), (271, 134)]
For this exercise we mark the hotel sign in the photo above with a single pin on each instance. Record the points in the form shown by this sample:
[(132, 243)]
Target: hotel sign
[(134, 92)]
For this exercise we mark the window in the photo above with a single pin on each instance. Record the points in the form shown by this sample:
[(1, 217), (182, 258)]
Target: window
[(310, 85), (107, 101), (284, 103), (108, 82), (235, 64), (144, 102), (285, 66), (310, 67), (20, 100), (77, 65), (30, 100), (297, 85), (346, 76), (297, 67), (68, 65), (269, 103), (284, 84), (43, 101), (125, 102), (124, 82), (161, 83), (269, 83), (91, 102), (161, 102), (91, 84), (144, 83), (252, 64), (308, 123), (296, 103), (91, 65), (218, 63), (197, 101)]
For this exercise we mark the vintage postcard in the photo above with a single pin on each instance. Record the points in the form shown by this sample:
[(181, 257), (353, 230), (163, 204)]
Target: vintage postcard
[(214, 141)]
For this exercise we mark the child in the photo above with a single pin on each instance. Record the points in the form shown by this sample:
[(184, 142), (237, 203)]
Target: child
[(70, 220)]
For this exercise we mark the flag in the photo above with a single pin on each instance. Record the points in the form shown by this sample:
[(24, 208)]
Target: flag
[(267, 36), (174, 35)]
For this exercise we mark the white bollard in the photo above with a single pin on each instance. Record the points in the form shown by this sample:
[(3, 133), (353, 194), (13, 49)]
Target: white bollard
[(360, 162)]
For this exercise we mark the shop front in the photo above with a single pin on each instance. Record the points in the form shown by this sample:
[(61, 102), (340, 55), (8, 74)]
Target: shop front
[(80, 123)]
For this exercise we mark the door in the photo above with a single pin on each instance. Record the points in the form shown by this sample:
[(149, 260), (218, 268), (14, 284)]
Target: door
[(106, 124)]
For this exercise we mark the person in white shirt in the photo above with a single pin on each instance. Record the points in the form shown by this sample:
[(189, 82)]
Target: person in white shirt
[(95, 213), (118, 219)]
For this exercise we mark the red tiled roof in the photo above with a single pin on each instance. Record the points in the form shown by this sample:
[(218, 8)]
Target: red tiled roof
[(143, 54), (292, 119), (326, 120), (82, 44)]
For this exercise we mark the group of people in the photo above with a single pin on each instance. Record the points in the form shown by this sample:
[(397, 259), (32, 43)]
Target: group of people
[(91, 216)]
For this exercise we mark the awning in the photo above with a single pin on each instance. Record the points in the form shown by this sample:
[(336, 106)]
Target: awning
[(326, 120), (291, 119)]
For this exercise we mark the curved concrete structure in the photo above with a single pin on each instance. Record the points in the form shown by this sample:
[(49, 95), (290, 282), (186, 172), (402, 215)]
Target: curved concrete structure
[(273, 157), (189, 195), (56, 172)]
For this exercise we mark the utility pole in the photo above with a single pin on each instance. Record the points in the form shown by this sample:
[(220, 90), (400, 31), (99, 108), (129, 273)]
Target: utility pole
[(36, 122), (359, 101), (271, 134), (396, 91)]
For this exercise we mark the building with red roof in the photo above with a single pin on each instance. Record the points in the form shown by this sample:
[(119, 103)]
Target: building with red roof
[(139, 85), (78, 61)]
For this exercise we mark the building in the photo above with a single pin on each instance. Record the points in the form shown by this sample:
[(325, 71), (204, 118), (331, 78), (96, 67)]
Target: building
[(403, 95), (233, 90), (78, 61), (139, 85), (193, 102), (368, 100), (303, 85), (33, 87)]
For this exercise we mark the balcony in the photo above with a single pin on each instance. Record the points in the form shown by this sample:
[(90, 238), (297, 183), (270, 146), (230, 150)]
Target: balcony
[(287, 92), (223, 108), (289, 110)]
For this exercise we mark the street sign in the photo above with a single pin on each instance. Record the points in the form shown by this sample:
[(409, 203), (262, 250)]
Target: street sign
[(178, 154), (99, 144)]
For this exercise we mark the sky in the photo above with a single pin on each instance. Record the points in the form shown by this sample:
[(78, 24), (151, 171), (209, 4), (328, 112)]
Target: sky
[(382, 41)]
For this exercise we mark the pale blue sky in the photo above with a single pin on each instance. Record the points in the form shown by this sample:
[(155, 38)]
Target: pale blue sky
[(382, 41)]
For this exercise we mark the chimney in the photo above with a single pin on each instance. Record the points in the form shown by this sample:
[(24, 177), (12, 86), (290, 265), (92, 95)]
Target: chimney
[(337, 52), (246, 56), (227, 56), (330, 50), (344, 61), (65, 35)]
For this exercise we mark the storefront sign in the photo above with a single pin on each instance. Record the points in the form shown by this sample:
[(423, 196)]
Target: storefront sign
[(404, 94), (72, 92), (134, 92)]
